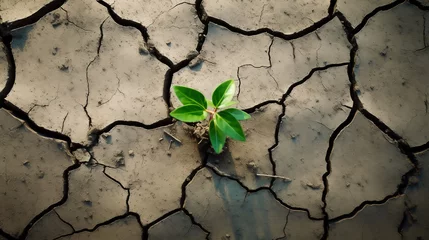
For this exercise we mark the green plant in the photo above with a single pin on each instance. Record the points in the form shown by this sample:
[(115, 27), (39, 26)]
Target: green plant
[(223, 121)]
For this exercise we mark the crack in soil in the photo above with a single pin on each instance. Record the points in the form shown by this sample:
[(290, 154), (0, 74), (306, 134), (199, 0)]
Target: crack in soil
[(74, 24), (373, 13), (419, 5), (332, 7), (53, 206), (33, 18), (262, 66), (222, 175), (357, 106), (284, 227), (105, 223), (142, 29), (62, 220), (23, 116), (5, 29), (120, 184), (206, 19), (6, 235), (88, 90), (6, 38)]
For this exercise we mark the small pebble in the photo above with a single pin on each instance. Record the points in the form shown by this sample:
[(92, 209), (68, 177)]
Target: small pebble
[(168, 153), (40, 174), (413, 180), (131, 153)]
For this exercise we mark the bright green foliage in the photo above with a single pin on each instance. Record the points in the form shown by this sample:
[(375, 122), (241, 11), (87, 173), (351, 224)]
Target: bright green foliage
[(223, 120), (189, 113)]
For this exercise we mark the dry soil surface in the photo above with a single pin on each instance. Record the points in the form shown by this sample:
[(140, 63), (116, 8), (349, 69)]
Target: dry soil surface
[(337, 146)]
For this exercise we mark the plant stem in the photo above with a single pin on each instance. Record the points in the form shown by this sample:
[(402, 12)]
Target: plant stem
[(273, 176)]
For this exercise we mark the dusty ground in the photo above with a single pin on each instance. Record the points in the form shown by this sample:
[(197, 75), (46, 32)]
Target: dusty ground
[(339, 97)]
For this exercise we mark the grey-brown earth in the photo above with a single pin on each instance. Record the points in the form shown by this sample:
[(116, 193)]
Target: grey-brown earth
[(337, 146)]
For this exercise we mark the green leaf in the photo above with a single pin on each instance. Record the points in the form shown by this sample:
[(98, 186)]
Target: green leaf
[(189, 113), (229, 125), (228, 104), (217, 137), (210, 103), (190, 96), (223, 93), (237, 113)]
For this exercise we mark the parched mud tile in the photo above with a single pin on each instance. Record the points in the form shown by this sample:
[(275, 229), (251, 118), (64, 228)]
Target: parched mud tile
[(291, 61), (223, 52), (355, 11), (391, 71), (127, 228), (153, 172), (417, 195), (226, 210), (175, 33), (51, 60), (243, 160), (31, 176), (372, 222), (284, 16), (313, 111), (49, 227), (93, 198), (177, 226), (12, 10), (125, 82), (365, 166)]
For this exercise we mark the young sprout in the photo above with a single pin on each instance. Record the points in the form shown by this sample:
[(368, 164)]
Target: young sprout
[(223, 121)]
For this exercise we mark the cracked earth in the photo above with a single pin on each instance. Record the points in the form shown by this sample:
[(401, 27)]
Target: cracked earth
[(337, 146)]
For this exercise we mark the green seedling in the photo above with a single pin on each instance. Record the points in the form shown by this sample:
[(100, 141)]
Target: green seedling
[(223, 120)]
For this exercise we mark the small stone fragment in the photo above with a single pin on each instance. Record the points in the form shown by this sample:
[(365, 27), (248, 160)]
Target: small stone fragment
[(26, 163), (252, 166), (40, 174), (119, 153), (160, 139), (192, 54), (105, 135), (168, 153), (195, 63), (119, 161), (56, 21), (55, 51), (87, 203), (413, 180), (64, 68), (131, 153), (143, 51), (314, 186)]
